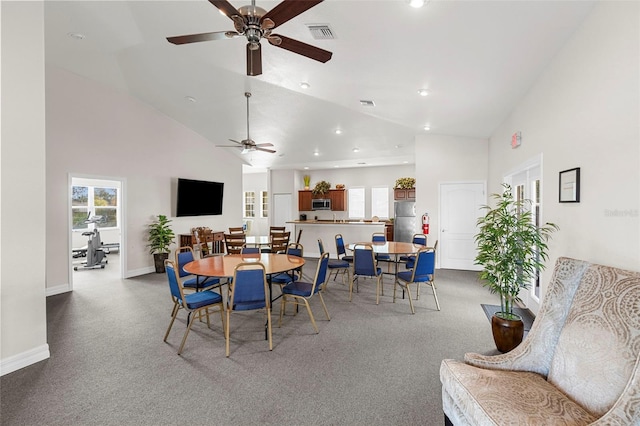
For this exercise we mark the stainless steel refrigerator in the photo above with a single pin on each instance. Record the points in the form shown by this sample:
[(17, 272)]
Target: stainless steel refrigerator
[(404, 223)]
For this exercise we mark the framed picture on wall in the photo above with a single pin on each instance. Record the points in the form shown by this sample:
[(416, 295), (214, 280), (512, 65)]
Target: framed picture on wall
[(570, 186)]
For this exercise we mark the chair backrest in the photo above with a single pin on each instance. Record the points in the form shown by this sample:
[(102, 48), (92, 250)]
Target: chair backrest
[(364, 262), (234, 243), (321, 273), (340, 245), (249, 288), (378, 237), (202, 235), (237, 230), (295, 249), (299, 236), (321, 245), (424, 267), (250, 248), (184, 255), (175, 285), (420, 239), (277, 229), (279, 241)]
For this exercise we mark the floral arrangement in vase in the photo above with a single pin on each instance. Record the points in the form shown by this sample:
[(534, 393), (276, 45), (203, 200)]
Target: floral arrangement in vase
[(405, 183), (321, 187)]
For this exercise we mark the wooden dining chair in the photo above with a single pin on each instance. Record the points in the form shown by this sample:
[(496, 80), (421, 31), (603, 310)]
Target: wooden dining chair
[(201, 236), (234, 243), (236, 230), (279, 242)]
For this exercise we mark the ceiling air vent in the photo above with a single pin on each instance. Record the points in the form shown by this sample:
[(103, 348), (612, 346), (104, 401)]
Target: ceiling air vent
[(368, 103), (321, 31)]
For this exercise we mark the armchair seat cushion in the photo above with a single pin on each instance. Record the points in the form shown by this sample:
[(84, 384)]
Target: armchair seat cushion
[(338, 263), (502, 397), (201, 298)]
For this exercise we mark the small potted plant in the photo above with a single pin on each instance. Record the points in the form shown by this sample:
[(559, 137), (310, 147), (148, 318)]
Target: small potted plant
[(512, 250), (161, 236), (405, 183), (307, 181), (321, 188)]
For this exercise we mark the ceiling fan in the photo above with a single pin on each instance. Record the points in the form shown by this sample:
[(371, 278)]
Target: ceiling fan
[(248, 144), (255, 23)]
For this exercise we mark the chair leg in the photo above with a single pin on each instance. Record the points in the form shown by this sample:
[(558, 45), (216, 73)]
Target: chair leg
[(190, 320), (313, 321), (351, 278), (435, 296), (413, 311), (226, 330), (173, 318), (269, 328), (324, 306), (378, 285), (283, 302)]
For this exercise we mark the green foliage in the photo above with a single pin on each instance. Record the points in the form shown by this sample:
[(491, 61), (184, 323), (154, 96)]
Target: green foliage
[(405, 183), (511, 248), (160, 235), (321, 187), (307, 180)]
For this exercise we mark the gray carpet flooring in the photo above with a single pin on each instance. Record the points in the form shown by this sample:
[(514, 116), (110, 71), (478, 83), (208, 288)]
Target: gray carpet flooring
[(369, 365)]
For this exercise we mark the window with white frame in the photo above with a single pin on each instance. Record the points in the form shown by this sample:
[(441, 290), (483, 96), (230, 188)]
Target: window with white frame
[(356, 203), (99, 201), (380, 202), (264, 205), (249, 204)]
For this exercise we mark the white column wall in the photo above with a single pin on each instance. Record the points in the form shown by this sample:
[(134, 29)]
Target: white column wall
[(23, 329), (584, 112)]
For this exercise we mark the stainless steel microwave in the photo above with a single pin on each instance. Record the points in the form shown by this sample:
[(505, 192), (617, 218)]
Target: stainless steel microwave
[(321, 204)]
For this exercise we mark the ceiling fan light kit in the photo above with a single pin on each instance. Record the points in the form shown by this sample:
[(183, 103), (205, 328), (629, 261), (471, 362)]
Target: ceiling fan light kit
[(248, 145), (255, 23)]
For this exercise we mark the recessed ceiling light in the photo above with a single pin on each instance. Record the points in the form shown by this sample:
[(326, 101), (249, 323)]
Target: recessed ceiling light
[(427, 127), (398, 146), (336, 166), (191, 99), (365, 102), (423, 92), (316, 153), (405, 162), (76, 36), (338, 132), (356, 149), (361, 164), (306, 167), (305, 85), (417, 3)]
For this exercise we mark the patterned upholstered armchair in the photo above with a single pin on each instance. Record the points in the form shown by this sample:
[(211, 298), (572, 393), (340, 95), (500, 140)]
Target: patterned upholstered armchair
[(579, 364)]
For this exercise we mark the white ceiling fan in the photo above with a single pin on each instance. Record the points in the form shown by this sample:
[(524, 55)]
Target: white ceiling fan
[(248, 144)]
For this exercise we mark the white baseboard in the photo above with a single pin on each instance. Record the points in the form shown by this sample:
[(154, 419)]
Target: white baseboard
[(140, 271), (59, 289), (25, 359)]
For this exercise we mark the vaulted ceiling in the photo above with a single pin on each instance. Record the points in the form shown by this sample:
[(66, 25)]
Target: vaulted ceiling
[(476, 59)]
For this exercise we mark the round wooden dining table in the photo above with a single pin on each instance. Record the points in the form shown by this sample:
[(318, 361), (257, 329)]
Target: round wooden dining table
[(390, 247), (224, 266)]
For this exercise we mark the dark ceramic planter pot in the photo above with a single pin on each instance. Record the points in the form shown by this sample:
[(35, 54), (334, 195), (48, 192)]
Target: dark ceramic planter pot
[(159, 259), (507, 333)]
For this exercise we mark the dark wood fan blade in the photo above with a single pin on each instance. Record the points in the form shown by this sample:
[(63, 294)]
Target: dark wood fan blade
[(265, 150), (254, 60), (194, 38), (288, 9), (303, 49), (225, 7)]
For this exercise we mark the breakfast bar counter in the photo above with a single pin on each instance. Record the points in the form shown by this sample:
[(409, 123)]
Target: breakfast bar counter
[(351, 231)]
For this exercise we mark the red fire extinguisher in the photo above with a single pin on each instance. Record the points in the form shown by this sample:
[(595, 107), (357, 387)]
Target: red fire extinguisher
[(425, 224)]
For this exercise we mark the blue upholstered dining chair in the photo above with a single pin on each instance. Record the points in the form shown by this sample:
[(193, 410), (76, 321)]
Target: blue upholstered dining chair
[(248, 291), (198, 302), (364, 265), (418, 239), (299, 292), (342, 252), (335, 265), (250, 249), (422, 272), (293, 249), (185, 255)]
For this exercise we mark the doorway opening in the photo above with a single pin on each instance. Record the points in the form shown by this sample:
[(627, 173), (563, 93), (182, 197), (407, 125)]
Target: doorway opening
[(96, 233)]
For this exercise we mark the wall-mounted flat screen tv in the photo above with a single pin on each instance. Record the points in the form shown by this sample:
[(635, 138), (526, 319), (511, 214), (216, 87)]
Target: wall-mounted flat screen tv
[(199, 198)]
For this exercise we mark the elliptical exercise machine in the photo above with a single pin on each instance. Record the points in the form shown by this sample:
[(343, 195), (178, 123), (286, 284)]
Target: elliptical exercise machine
[(96, 257)]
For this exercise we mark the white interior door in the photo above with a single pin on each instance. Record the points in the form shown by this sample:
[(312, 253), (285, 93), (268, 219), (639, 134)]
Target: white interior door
[(459, 211)]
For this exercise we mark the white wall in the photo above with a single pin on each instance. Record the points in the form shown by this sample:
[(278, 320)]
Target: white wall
[(93, 130), (23, 327), (441, 159), (584, 112)]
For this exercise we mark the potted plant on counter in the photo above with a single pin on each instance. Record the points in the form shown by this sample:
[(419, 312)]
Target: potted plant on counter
[(160, 238), (321, 188), (307, 181), (512, 250)]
